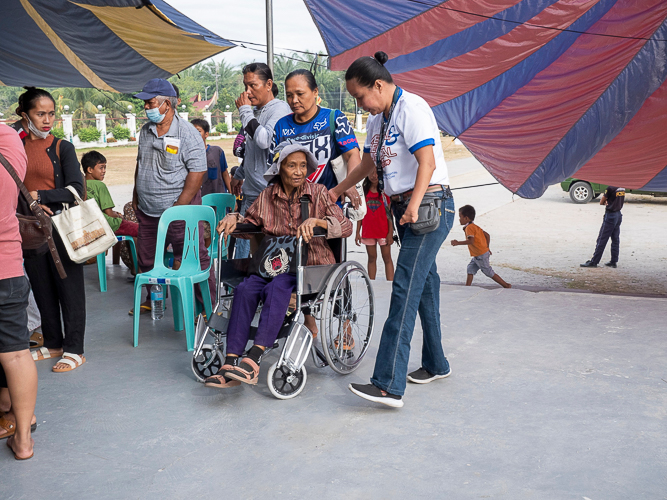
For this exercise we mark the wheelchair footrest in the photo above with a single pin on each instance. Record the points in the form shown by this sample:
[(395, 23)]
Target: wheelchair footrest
[(297, 347)]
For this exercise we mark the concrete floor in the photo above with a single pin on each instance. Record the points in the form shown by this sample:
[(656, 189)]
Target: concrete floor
[(553, 395)]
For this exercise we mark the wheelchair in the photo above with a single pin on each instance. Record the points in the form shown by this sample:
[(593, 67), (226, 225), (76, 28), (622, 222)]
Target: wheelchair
[(339, 296)]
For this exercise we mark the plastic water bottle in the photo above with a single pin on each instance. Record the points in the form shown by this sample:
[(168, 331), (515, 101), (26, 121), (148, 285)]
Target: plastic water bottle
[(157, 302)]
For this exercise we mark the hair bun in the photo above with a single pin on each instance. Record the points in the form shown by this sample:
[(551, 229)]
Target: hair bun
[(381, 57)]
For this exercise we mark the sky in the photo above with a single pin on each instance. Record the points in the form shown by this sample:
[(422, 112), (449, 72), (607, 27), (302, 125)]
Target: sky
[(245, 20)]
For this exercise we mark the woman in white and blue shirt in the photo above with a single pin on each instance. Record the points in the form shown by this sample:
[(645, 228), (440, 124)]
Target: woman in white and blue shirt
[(413, 164)]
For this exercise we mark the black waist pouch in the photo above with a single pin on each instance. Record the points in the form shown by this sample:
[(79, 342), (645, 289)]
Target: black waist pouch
[(428, 214)]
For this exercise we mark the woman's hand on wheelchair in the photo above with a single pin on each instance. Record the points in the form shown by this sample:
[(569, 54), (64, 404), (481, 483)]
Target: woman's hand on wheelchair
[(227, 225), (306, 228)]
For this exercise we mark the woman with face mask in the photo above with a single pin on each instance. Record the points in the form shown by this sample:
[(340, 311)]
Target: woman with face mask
[(52, 165)]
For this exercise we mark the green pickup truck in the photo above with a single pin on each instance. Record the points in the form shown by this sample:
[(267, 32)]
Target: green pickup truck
[(583, 191)]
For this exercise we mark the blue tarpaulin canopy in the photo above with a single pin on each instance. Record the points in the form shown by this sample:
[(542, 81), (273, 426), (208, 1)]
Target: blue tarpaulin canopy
[(114, 45)]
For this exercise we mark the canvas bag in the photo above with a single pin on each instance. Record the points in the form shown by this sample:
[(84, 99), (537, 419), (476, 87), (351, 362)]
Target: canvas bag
[(84, 230), (339, 167)]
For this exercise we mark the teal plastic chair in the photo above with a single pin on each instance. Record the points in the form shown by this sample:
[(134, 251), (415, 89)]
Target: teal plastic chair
[(183, 280), (221, 202), (102, 262)]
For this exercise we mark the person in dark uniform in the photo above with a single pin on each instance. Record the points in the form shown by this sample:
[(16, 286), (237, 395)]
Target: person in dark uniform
[(611, 227)]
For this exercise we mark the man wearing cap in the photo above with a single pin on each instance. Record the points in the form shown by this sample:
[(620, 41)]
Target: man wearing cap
[(171, 164)]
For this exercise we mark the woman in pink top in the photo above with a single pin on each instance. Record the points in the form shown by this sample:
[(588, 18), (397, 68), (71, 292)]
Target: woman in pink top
[(17, 369)]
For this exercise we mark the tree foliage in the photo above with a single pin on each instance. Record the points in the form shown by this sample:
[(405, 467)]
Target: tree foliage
[(203, 78)]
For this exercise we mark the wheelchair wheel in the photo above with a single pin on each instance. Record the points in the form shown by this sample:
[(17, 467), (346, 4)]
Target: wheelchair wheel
[(346, 322), (283, 384), (208, 362)]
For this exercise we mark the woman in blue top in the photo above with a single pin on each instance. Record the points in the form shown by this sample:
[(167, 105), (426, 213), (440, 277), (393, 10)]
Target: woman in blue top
[(413, 170), (326, 132)]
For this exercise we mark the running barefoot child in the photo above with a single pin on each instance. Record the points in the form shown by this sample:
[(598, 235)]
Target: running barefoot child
[(478, 242), (376, 228)]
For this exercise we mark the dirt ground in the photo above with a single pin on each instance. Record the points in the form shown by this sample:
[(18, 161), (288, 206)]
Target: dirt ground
[(537, 244), (121, 160)]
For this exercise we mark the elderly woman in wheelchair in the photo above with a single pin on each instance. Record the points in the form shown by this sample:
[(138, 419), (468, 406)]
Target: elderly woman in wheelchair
[(280, 212)]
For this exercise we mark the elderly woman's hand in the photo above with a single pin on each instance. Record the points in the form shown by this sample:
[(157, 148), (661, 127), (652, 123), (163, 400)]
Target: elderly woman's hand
[(306, 228), (227, 225)]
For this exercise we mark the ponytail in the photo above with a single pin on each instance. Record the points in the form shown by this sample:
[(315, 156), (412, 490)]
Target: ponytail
[(367, 70)]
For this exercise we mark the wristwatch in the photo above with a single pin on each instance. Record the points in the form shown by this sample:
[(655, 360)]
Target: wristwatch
[(39, 198)]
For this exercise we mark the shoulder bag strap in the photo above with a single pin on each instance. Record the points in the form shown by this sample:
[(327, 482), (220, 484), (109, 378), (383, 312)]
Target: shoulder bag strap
[(44, 219), (24, 191)]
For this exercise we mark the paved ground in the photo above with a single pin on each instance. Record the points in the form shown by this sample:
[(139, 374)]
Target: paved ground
[(553, 394)]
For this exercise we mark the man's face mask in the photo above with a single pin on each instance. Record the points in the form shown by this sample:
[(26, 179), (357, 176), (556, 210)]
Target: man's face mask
[(154, 115)]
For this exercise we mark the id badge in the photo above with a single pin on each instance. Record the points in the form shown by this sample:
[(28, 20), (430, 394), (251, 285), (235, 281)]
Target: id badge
[(172, 145)]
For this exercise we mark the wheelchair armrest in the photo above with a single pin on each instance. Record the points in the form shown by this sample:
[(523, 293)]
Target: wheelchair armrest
[(319, 231), (247, 229)]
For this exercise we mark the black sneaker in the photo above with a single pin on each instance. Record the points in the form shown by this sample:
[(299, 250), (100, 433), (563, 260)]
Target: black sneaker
[(422, 376), (588, 263), (377, 395), (610, 264)]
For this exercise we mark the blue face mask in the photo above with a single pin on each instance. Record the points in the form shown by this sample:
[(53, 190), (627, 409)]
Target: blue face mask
[(154, 114)]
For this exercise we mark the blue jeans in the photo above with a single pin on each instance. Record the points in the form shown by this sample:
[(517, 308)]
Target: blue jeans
[(611, 228), (416, 288)]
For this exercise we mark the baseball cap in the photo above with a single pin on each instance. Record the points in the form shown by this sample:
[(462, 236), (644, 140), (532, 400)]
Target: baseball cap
[(154, 88), (282, 151)]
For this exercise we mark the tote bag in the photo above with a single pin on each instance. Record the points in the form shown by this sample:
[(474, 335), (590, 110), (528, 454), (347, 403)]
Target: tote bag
[(84, 230)]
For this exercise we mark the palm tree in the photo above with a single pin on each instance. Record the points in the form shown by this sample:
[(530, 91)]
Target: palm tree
[(83, 103)]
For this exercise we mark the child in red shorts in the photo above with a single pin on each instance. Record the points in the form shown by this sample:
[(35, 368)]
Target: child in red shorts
[(376, 228), (94, 166)]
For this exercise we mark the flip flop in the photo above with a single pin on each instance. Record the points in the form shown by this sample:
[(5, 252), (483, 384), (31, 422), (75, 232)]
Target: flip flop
[(72, 360), (142, 310), (36, 339), (10, 427), (16, 457)]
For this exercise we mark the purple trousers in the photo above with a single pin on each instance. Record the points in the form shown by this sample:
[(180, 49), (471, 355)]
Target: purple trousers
[(147, 241), (275, 293)]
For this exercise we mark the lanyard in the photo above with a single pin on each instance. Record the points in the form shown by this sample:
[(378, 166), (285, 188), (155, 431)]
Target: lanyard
[(378, 152)]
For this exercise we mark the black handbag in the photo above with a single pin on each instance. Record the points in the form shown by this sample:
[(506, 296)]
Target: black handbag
[(277, 254)]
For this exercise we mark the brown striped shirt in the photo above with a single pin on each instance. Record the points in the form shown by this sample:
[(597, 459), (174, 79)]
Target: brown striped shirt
[(279, 215)]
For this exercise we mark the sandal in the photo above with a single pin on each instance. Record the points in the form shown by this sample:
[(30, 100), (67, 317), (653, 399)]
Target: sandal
[(10, 428), (72, 360), (16, 457), (36, 339), (44, 353), (348, 342), (247, 372), (142, 310), (220, 381)]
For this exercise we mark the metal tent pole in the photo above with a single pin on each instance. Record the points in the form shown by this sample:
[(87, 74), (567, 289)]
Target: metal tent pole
[(269, 34)]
